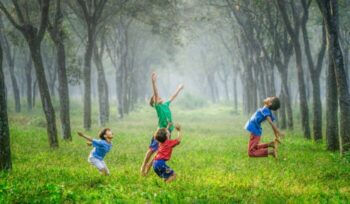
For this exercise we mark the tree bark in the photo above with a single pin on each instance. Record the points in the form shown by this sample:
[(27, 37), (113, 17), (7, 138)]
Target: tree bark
[(28, 72), (5, 149)]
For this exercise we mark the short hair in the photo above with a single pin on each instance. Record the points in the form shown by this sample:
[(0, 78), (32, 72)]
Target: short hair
[(102, 133), (275, 103), (161, 135)]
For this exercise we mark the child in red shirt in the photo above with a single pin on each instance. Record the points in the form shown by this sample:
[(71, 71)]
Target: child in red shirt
[(165, 149)]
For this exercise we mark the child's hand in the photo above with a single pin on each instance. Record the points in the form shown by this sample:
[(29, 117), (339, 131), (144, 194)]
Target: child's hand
[(89, 143), (154, 76), (169, 125), (180, 87), (178, 127), (80, 134)]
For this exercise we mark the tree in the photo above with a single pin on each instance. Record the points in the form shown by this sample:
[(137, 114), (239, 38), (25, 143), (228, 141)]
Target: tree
[(10, 53), (293, 32), (34, 36), (5, 150), (90, 12), (329, 10)]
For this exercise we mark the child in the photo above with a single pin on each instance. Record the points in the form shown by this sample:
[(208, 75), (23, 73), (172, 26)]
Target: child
[(254, 127), (166, 146), (164, 120), (101, 148)]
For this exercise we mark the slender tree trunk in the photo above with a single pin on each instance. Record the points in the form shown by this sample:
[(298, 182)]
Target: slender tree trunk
[(332, 136), (102, 89), (28, 71), (44, 93), (63, 92), (15, 87), (87, 80), (235, 96), (5, 150)]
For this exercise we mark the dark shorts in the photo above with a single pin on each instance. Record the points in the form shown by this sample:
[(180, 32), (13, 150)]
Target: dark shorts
[(154, 144), (162, 169)]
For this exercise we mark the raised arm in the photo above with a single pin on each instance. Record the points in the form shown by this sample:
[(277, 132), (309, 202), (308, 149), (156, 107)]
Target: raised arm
[(154, 87), (179, 133), (84, 136), (179, 88)]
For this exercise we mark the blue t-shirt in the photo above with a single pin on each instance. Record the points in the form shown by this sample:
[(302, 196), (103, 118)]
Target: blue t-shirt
[(254, 123), (101, 147)]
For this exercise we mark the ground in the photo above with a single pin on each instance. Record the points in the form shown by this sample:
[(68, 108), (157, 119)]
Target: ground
[(211, 163)]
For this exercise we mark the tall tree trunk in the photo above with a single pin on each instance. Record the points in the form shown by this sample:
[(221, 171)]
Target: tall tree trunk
[(63, 92), (44, 93), (332, 131), (57, 36), (294, 35), (5, 150), (235, 96), (28, 71), (87, 80), (329, 10), (15, 87), (102, 88)]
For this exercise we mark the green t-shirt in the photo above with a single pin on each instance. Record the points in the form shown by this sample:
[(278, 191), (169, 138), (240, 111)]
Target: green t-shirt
[(164, 115)]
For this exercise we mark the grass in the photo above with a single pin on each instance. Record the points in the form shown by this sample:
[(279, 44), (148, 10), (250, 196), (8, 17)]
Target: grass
[(211, 163)]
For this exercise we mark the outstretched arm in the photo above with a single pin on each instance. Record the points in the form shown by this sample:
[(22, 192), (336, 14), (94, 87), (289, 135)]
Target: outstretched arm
[(154, 87), (85, 137), (179, 88)]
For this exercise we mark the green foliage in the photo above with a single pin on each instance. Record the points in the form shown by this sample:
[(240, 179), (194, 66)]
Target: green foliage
[(211, 163)]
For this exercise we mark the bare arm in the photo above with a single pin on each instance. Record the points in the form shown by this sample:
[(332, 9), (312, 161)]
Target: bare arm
[(179, 88), (179, 133), (274, 127), (85, 137), (154, 87)]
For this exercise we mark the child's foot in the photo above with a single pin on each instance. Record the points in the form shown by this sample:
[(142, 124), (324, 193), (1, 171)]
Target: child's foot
[(272, 144)]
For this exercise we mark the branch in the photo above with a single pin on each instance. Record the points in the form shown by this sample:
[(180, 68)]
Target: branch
[(44, 19), (11, 19)]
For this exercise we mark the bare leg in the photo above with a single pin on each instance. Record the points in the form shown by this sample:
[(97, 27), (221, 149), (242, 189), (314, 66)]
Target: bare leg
[(144, 166), (171, 178)]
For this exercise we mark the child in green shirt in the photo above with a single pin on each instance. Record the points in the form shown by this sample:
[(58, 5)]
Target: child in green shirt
[(164, 119)]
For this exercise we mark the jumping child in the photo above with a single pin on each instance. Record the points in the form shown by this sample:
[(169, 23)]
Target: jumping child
[(164, 120), (256, 149), (101, 148), (166, 146)]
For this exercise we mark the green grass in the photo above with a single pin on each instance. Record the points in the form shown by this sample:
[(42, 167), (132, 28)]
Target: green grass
[(211, 163)]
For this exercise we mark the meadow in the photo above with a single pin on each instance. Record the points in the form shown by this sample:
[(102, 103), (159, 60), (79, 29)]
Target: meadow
[(211, 163)]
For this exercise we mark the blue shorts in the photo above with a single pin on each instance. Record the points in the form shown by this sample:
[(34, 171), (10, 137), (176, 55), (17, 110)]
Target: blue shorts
[(161, 169), (154, 144)]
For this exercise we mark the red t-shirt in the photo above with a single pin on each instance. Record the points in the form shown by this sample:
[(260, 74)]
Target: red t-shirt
[(165, 149)]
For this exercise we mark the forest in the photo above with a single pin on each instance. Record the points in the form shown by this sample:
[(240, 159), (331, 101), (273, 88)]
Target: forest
[(74, 67)]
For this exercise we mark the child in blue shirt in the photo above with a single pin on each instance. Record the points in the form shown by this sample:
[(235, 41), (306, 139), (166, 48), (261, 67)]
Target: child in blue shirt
[(101, 148), (256, 149)]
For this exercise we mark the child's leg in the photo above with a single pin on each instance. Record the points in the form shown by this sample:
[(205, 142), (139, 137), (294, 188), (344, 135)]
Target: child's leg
[(146, 165), (171, 178), (105, 170), (100, 165), (253, 147)]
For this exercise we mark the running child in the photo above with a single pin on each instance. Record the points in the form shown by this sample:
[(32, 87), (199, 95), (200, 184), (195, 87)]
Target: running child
[(255, 148), (164, 120), (101, 148), (165, 149)]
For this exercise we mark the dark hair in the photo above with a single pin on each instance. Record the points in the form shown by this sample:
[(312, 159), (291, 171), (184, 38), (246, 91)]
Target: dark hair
[(151, 101), (275, 103), (161, 135), (102, 133)]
